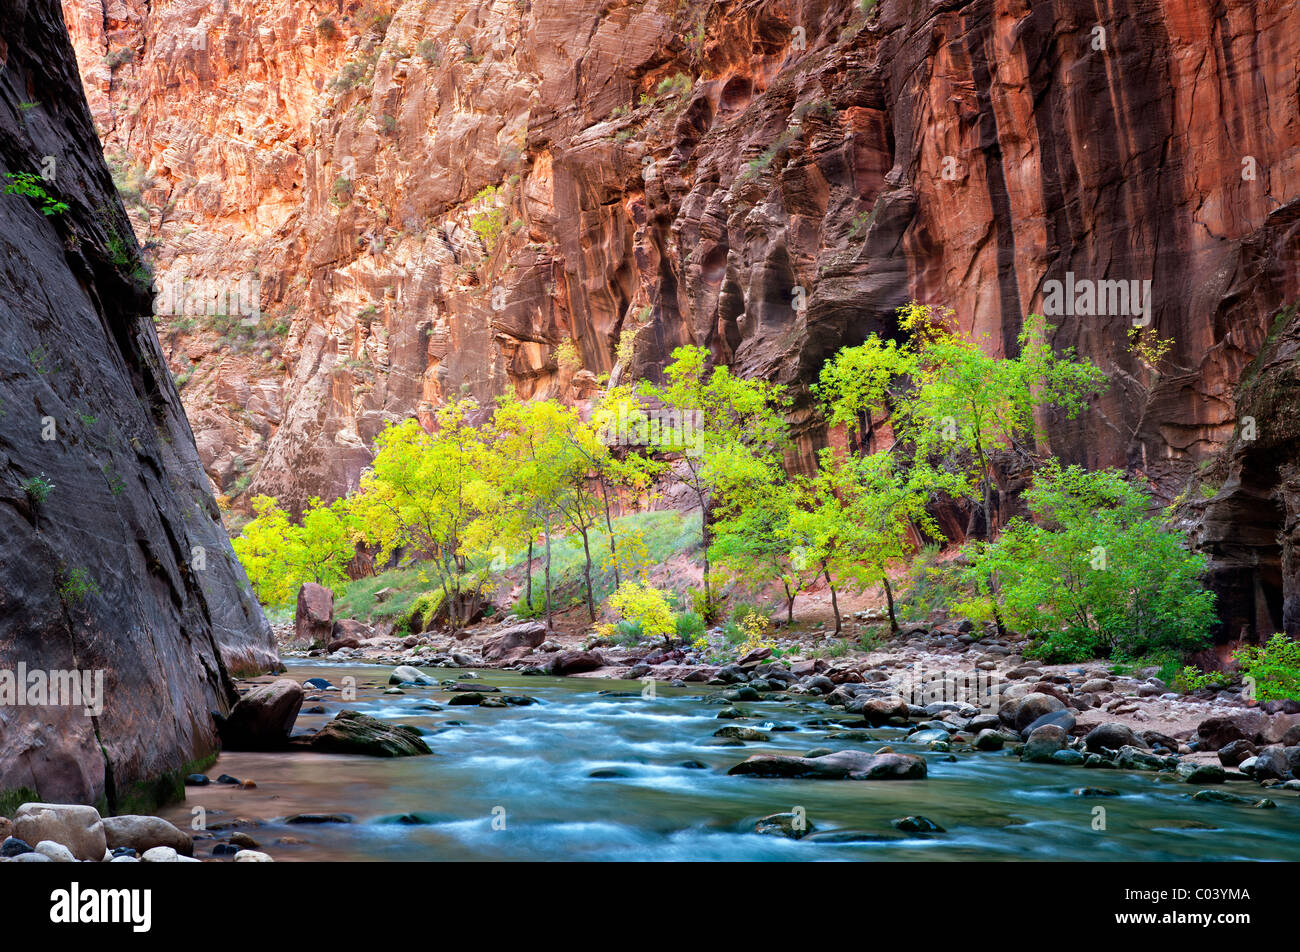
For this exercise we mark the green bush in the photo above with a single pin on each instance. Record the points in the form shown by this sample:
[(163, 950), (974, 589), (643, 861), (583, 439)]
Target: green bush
[(627, 633), (1273, 670), (690, 626), (1095, 575)]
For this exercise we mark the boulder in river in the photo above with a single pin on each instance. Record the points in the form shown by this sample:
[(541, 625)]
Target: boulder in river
[(1043, 743), (1034, 706), (517, 638), (73, 825), (313, 620), (142, 833), (877, 711), (1111, 736), (793, 825), (406, 674), (842, 765), (352, 732), (262, 718), (917, 824), (1272, 763), (574, 662)]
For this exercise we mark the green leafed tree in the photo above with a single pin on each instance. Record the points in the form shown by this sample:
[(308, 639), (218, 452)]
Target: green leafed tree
[(950, 404), (722, 430), (424, 493), (279, 556), (858, 517), (1094, 573)]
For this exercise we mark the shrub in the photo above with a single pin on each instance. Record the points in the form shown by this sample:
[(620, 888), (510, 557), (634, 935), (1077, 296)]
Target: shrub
[(1192, 678), (647, 606), (489, 221), (419, 617), (531, 609), (627, 633), (429, 52), (1273, 670), (1095, 575), (689, 626)]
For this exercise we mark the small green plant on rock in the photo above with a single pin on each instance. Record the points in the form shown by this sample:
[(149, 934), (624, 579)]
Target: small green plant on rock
[(38, 489), (28, 184)]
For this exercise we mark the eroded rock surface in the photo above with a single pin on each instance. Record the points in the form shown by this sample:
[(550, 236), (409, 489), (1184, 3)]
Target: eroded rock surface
[(113, 559)]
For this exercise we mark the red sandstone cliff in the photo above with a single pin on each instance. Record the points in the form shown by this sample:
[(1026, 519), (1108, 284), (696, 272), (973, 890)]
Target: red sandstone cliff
[(770, 178)]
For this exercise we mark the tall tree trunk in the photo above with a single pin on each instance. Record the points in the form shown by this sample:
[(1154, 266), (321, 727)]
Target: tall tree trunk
[(586, 571), (609, 528), (835, 603), (889, 598), (986, 484), (789, 604), (704, 538), (528, 590), (549, 626)]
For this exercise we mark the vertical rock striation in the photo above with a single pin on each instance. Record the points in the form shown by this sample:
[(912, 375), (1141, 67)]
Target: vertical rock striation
[(113, 559)]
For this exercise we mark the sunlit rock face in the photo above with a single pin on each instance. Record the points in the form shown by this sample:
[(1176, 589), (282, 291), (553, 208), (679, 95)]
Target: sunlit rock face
[(123, 612), (770, 180)]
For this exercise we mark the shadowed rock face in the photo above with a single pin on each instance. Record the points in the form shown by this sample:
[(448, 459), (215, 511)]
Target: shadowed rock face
[(113, 559), (821, 167)]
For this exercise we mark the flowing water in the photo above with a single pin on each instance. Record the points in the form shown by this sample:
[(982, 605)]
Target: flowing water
[(516, 783)]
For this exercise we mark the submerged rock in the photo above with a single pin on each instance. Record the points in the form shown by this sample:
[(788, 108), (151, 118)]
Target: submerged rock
[(793, 825), (842, 765), (352, 732), (1222, 796), (917, 824)]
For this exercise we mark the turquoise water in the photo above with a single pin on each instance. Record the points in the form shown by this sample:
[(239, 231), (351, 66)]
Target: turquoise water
[(515, 784)]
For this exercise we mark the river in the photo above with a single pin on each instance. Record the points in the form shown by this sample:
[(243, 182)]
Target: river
[(516, 783)]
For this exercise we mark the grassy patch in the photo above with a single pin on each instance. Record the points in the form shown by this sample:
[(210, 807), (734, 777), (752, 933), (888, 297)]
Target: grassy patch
[(662, 534)]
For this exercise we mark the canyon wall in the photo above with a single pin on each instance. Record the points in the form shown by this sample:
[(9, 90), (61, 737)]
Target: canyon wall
[(432, 197), (113, 559)]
